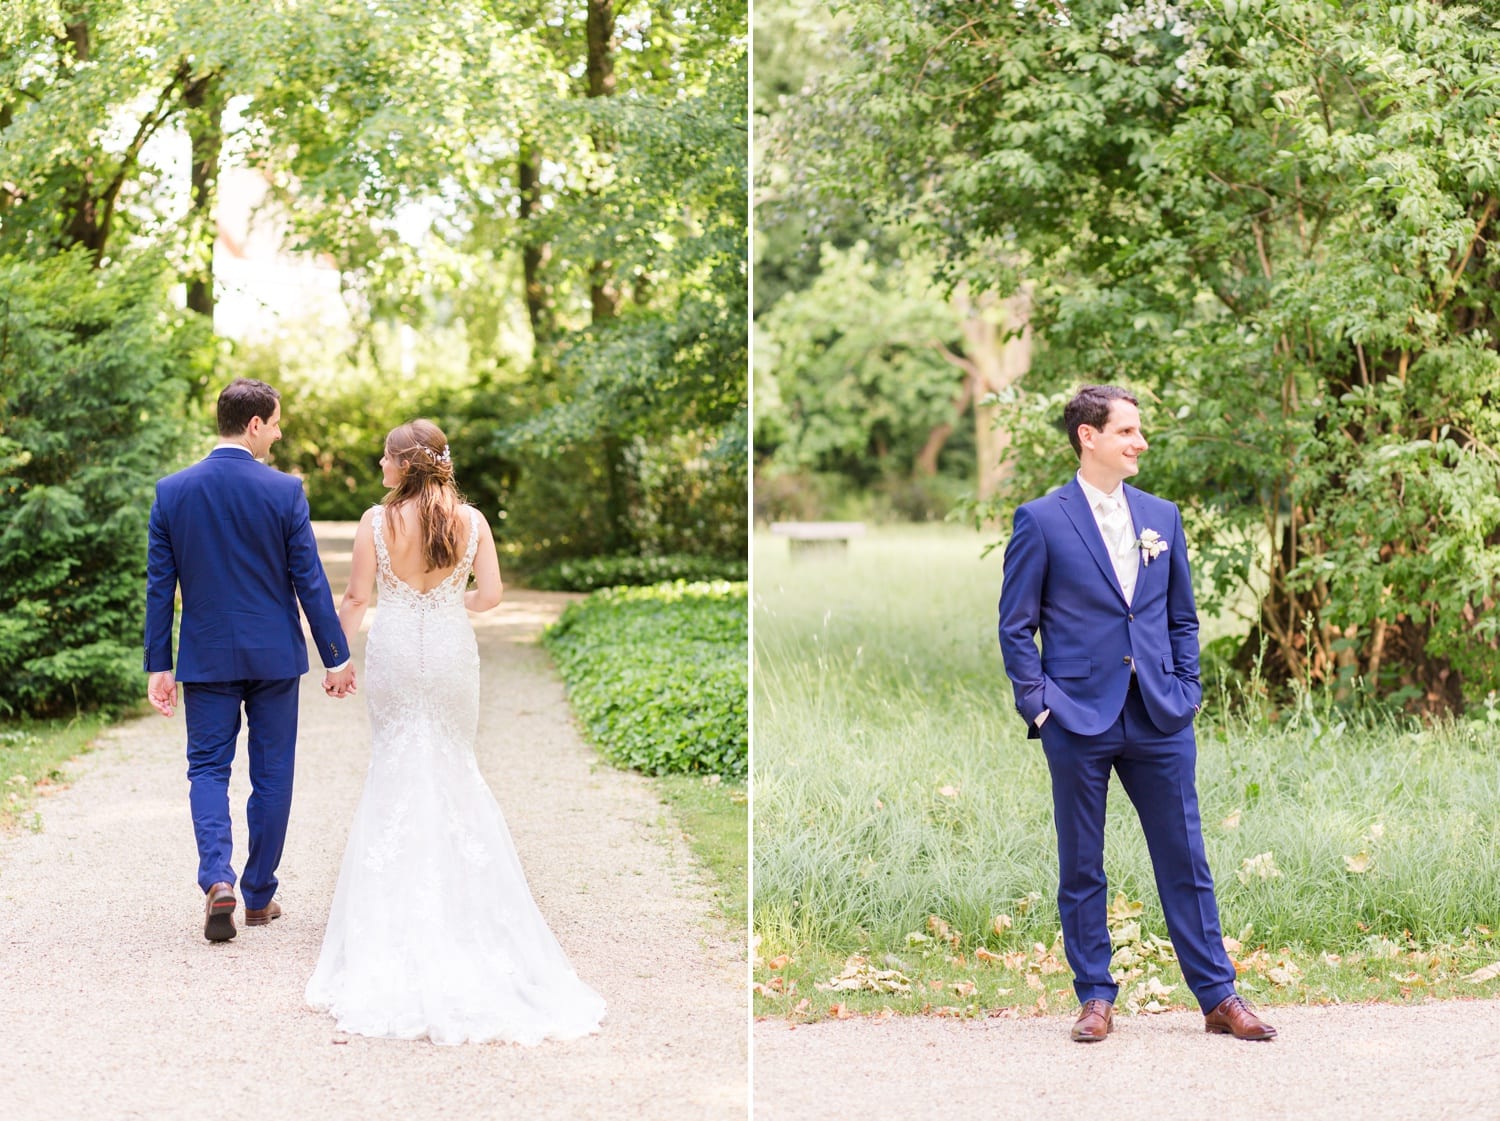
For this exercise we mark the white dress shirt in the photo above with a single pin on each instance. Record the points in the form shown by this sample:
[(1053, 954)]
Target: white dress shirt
[(1122, 551)]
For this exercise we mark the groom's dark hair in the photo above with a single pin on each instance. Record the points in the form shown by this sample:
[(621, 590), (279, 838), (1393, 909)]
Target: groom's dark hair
[(1091, 405), (242, 399)]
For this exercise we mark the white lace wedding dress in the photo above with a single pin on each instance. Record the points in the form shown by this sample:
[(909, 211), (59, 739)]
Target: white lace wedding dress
[(433, 931)]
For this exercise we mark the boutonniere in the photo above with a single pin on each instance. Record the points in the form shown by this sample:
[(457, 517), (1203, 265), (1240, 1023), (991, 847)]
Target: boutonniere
[(1151, 545)]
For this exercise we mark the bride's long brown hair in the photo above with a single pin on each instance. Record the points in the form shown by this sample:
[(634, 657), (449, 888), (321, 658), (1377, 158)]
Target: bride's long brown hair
[(426, 480)]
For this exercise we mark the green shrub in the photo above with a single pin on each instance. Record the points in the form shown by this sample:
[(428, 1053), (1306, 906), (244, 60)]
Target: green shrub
[(89, 391), (592, 573), (659, 675)]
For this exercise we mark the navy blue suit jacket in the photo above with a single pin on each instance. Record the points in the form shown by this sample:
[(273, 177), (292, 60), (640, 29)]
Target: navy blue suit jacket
[(1059, 582), (236, 535)]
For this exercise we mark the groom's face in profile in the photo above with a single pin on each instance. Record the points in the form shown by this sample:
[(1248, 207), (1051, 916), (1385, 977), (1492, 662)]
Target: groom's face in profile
[(261, 434), (1114, 450)]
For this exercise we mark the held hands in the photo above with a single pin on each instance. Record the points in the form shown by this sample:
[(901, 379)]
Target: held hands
[(340, 684), (161, 691)]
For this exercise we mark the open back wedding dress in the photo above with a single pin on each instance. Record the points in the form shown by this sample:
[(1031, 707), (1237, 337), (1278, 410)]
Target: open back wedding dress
[(433, 931)]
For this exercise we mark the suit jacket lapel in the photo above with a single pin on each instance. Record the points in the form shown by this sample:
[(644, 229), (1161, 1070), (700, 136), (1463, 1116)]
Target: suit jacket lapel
[(1137, 503), (1076, 506)]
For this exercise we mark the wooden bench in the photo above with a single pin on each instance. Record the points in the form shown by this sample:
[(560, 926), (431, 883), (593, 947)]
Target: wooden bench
[(817, 538)]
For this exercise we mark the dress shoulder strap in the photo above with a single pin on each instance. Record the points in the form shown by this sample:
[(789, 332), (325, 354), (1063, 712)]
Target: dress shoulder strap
[(476, 523)]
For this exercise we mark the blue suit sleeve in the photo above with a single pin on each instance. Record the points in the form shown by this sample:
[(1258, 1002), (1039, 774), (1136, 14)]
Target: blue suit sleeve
[(1182, 613), (311, 584), (1021, 610), (161, 591)]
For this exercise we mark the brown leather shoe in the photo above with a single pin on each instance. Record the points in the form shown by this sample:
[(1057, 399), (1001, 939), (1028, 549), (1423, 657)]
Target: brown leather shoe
[(1233, 1017), (218, 911), (259, 916), (1095, 1021)]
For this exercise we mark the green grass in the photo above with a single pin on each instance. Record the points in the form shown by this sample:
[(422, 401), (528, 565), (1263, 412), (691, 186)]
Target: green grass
[(714, 817), (896, 796), (33, 759)]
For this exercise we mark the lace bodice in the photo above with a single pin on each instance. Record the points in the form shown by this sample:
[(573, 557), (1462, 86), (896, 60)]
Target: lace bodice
[(394, 590)]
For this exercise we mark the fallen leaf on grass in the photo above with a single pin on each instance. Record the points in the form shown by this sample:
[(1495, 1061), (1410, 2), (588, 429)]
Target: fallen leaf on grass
[(1261, 866), (988, 955), (840, 1011), (1027, 902), (779, 962), (1232, 821), (1149, 997), (963, 988), (1001, 923), (948, 791), (1488, 973), (1359, 863), (1121, 909), (858, 975), (803, 1005)]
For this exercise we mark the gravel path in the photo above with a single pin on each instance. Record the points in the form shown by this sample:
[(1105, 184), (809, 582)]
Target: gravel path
[(1424, 1062), (113, 1006)]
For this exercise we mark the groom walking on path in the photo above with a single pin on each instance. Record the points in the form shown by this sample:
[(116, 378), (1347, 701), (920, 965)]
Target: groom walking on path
[(1100, 569), (236, 536)]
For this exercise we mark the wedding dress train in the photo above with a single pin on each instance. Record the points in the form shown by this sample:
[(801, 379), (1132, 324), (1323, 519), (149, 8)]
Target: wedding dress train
[(433, 931)]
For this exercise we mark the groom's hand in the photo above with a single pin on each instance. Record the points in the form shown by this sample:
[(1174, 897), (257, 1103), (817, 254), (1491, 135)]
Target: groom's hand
[(161, 691), (340, 684)]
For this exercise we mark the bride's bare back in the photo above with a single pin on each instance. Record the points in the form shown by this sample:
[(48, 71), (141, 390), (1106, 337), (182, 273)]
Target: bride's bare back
[(403, 544)]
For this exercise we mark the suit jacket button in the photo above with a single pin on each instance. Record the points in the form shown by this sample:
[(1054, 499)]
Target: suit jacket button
[(1127, 659), (1130, 617)]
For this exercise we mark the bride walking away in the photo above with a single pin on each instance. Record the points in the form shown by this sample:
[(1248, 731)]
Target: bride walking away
[(433, 931)]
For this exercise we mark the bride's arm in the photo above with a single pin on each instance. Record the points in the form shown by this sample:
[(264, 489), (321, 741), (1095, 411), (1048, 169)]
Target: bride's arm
[(361, 578), (487, 588)]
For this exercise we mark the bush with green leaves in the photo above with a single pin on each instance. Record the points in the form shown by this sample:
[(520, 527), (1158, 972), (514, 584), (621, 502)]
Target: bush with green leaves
[(592, 573), (89, 416), (659, 675)]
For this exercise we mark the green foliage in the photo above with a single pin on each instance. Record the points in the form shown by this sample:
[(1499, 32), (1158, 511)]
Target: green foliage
[(853, 370), (592, 573), (396, 141), (88, 418), (1276, 222), (658, 675)]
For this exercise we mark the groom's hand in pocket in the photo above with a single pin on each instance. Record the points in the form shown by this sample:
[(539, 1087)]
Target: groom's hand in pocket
[(161, 691), (340, 683)]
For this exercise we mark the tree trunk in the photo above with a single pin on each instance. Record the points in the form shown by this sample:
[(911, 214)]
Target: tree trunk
[(999, 360), (534, 251), (604, 297), (204, 99)]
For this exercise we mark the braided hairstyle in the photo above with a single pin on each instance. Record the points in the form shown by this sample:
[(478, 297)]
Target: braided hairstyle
[(426, 479)]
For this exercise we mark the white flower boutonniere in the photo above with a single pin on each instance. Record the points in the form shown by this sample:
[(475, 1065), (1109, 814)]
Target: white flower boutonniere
[(1151, 545)]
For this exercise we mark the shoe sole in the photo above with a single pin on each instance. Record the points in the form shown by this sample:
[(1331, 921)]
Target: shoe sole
[(1094, 1038), (264, 921), (220, 924), (1214, 1029)]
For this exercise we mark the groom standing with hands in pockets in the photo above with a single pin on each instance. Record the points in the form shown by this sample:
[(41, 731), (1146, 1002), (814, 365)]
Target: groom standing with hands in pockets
[(235, 535), (1100, 570)]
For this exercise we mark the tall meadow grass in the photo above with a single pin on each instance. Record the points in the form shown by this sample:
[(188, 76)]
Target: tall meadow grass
[(893, 781)]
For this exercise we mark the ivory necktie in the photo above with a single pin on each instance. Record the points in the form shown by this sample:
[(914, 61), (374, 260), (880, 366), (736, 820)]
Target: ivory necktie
[(1114, 522)]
